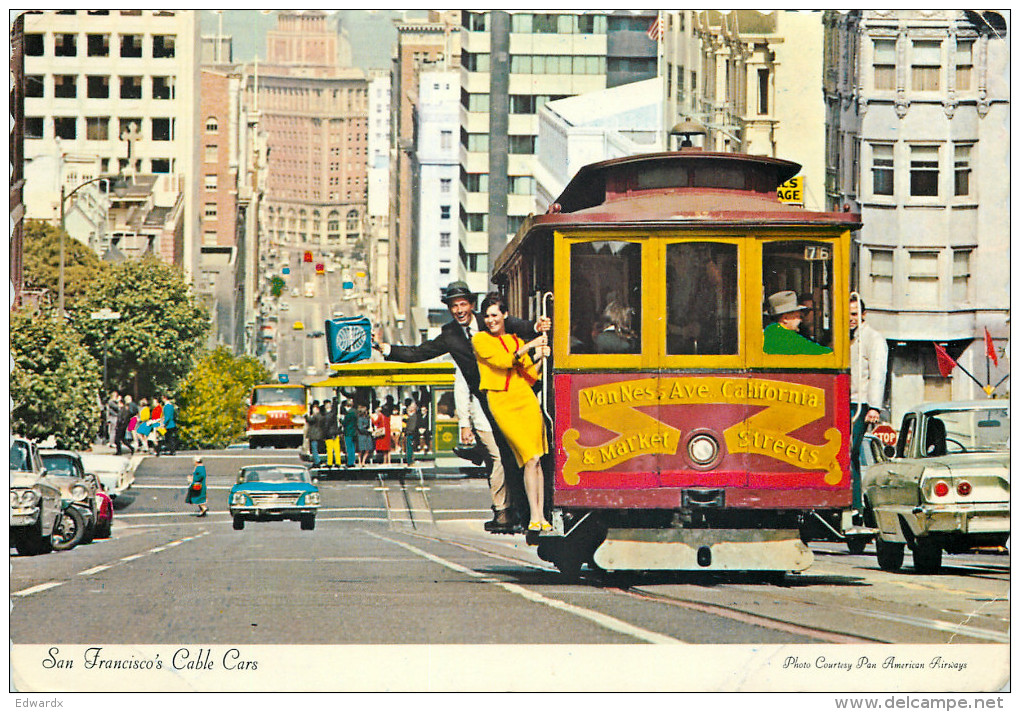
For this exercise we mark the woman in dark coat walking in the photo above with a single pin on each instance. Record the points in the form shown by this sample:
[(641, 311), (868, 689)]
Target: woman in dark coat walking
[(196, 488)]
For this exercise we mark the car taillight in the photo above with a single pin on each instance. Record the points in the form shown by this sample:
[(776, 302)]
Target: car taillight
[(963, 488), (941, 489)]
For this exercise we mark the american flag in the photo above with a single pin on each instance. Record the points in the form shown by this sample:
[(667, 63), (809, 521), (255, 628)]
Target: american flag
[(655, 31)]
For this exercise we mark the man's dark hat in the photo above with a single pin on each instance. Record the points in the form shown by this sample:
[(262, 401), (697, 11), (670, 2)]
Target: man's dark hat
[(458, 290)]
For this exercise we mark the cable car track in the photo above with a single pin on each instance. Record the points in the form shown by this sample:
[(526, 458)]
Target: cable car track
[(716, 609)]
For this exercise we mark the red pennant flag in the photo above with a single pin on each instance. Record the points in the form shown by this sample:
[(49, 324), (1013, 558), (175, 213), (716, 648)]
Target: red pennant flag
[(946, 362), (990, 348)]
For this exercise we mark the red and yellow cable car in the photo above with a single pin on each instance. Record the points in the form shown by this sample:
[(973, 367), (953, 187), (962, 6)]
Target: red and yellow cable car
[(694, 426)]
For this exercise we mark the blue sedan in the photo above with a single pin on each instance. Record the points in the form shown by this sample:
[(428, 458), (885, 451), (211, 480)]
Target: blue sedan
[(274, 493)]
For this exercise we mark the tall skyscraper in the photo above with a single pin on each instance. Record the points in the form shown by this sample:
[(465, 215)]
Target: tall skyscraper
[(314, 111), (512, 64)]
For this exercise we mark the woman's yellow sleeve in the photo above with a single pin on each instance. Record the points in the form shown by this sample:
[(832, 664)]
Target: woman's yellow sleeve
[(491, 351)]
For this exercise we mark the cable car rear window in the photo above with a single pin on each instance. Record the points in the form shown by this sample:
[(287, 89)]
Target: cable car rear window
[(701, 298), (605, 297)]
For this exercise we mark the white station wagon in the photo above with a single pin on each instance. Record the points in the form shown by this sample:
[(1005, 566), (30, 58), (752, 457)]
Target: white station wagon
[(946, 489)]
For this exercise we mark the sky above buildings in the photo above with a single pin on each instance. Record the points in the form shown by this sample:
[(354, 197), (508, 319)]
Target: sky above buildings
[(371, 32)]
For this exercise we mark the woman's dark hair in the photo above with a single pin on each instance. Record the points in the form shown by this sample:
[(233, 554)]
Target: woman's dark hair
[(493, 298)]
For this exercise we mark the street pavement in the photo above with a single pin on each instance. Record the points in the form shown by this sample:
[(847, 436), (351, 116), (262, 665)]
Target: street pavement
[(394, 562)]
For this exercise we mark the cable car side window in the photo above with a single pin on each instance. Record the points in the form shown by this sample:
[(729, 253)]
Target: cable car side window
[(605, 297), (797, 315), (701, 298)]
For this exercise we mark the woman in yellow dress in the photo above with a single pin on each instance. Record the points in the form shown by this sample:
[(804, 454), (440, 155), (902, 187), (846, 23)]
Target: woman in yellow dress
[(507, 373)]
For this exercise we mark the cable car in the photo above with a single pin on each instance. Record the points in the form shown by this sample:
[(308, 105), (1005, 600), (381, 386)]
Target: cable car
[(308, 256), (687, 433)]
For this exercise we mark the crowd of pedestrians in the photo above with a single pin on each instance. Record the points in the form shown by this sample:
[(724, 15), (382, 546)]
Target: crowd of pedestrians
[(140, 427), (357, 437)]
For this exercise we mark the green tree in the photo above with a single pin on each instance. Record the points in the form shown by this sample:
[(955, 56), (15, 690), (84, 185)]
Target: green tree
[(154, 343), (42, 261), (211, 398), (55, 381)]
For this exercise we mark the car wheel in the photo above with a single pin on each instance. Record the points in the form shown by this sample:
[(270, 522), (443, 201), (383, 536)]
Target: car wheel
[(856, 544), (308, 523), (90, 533), (103, 530), (890, 554), (927, 556), (238, 523), (70, 530)]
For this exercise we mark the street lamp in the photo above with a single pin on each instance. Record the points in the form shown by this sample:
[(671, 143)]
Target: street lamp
[(104, 314), (119, 187)]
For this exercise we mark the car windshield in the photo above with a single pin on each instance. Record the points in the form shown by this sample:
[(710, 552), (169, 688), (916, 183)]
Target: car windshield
[(278, 396), (276, 474), (60, 465), (975, 430), (20, 456)]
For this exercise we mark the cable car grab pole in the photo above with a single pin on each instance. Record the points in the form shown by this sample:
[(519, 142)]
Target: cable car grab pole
[(543, 312)]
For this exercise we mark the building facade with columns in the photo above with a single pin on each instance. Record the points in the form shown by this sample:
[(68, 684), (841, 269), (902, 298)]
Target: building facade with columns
[(917, 135), (753, 79)]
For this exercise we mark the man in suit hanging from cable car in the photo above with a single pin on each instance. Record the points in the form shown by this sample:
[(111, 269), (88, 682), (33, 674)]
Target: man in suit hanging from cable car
[(506, 482)]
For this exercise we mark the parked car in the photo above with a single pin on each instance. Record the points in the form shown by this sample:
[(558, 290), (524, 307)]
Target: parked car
[(104, 522), (274, 493), (78, 495), (114, 472), (35, 500), (946, 489)]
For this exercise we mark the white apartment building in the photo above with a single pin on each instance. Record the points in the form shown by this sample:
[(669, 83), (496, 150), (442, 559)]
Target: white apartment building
[(573, 132), (379, 143), (537, 57), (918, 143), (436, 167), (753, 80), (122, 86)]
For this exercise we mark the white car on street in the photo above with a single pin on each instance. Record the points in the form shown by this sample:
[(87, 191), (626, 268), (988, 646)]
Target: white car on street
[(114, 472)]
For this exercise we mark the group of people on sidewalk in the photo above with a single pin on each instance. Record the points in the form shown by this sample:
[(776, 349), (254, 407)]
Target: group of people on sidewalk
[(140, 426), (498, 359), (361, 436)]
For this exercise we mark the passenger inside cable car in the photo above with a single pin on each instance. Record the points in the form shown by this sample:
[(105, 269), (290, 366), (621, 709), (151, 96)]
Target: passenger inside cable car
[(606, 284), (701, 298), (798, 289)]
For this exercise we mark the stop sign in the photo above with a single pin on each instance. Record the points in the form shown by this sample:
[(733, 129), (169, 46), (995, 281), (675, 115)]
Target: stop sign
[(885, 433)]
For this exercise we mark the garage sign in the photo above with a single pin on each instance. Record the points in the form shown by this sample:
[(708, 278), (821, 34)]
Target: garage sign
[(792, 191)]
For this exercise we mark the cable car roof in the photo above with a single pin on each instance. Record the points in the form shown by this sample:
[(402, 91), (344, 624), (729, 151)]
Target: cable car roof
[(683, 188)]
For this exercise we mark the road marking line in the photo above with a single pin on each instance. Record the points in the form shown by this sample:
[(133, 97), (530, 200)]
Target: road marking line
[(190, 514), (606, 621), (38, 588), (95, 569), (132, 557)]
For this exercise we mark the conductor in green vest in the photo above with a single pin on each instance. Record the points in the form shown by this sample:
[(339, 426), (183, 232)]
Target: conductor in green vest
[(782, 336)]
